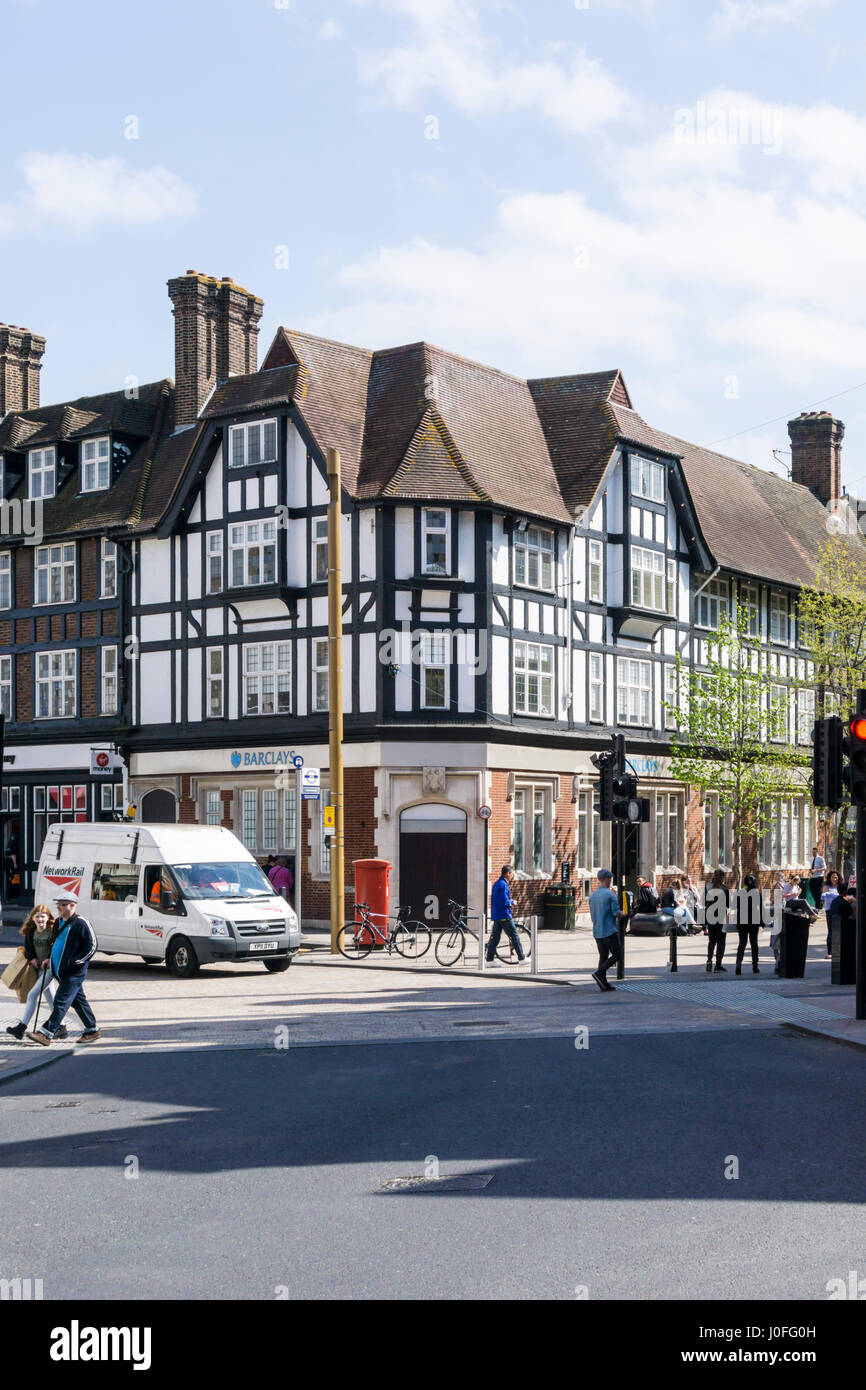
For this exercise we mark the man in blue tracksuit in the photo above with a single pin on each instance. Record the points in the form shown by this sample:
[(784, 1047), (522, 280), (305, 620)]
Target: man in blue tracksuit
[(73, 946), (605, 913), (500, 911)]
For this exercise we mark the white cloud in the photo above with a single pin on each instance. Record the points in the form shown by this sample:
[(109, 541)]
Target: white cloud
[(707, 262), (80, 192), (448, 52), (330, 30), (735, 16)]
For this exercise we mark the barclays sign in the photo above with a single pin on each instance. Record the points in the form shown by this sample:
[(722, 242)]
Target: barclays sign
[(267, 757)]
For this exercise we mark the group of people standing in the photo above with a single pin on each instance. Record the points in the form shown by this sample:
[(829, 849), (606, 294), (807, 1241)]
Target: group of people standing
[(59, 950), (802, 897)]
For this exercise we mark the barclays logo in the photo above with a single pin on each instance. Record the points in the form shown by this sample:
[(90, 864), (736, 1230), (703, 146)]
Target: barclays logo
[(236, 759)]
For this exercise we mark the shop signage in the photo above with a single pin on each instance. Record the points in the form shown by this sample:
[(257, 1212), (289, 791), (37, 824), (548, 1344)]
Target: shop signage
[(102, 762), (266, 757)]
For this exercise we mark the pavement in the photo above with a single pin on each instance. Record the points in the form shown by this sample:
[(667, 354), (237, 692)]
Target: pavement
[(325, 999)]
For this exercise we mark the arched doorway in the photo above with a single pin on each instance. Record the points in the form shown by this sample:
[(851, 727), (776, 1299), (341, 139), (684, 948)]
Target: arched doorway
[(432, 860), (159, 808)]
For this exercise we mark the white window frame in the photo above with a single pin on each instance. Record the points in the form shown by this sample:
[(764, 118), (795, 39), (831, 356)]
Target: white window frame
[(648, 579), (806, 714), (212, 811), (250, 818), (672, 695), (320, 671), (253, 443), (780, 618), (431, 530), (634, 692), (711, 601), (778, 698), (5, 578), (590, 834), (107, 568), (535, 559), (42, 468), (57, 681), (96, 464), (215, 572), (108, 680), (214, 682), (596, 688), (596, 571), (248, 539), (749, 599), (647, 478), (320, 549), (324, 848), (7, 672), (779, 837), (532, 808), (718, 834), (433, 664), (534, 668), (54, 574), (668, 830), (267, 675)]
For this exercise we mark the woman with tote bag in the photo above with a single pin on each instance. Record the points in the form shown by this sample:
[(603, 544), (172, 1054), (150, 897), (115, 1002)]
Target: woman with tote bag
[(39, 931)]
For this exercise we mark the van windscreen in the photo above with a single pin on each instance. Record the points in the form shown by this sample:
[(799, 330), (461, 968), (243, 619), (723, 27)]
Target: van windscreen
[(222, 881)]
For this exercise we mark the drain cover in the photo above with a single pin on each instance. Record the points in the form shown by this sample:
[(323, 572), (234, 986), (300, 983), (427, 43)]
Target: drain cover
[(458, 1182), (484, 1023)]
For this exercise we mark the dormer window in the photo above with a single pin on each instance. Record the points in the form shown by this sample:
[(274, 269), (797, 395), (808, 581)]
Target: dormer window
[(42, 467), (256, 443), (95, 464), (647, 479)]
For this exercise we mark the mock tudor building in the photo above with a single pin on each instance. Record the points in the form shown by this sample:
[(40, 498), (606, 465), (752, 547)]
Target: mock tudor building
[(523, 560)]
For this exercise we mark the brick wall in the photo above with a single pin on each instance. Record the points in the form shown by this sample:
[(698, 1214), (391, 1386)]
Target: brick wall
[(360, 825)]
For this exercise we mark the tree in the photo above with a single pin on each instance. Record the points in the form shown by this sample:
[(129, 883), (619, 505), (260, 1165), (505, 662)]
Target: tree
[(832, 614), (732, 731)]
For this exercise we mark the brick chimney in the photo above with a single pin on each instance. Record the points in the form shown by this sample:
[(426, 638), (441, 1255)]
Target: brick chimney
[(816, 453), (216, 328), (20, 363)]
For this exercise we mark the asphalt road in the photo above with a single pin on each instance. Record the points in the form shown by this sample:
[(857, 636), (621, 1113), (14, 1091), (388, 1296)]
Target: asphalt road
[(258, 1170)]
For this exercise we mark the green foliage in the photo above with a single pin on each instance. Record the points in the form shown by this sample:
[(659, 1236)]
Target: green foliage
[(731, 736)]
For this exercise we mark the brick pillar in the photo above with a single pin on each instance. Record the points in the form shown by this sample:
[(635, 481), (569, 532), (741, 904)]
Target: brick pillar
[(816, 453), (216, 326), (20, 364)]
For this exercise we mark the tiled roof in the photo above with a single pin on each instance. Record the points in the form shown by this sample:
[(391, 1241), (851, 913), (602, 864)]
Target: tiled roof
[(256, 391), (755, 522)]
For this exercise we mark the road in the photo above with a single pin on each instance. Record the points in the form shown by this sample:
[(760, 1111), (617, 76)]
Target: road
[(258, 1169)]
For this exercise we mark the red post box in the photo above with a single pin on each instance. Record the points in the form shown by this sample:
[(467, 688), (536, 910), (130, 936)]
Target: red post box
[(373, 887)]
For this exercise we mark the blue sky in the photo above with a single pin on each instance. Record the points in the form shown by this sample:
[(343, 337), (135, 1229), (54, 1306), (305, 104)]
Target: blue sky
[(675, 187)]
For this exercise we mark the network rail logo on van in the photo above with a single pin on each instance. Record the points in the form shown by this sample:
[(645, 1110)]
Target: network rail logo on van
[(66, 877)]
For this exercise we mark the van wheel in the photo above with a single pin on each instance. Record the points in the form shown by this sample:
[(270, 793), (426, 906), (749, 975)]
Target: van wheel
[(150, 960), (181, 959), (276, 967)]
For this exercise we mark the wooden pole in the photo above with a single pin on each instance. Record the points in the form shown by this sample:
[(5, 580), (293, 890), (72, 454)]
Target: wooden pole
[(335, 694)]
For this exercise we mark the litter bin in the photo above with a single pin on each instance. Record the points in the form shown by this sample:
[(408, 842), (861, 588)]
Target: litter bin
[(559, 907), (793, 944), (843, 949)]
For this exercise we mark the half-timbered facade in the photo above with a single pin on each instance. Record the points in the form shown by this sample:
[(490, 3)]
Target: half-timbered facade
[(523, 561)]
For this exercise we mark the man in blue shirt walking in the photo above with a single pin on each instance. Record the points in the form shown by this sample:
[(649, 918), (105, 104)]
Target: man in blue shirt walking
[(500, 911), (605, 913)]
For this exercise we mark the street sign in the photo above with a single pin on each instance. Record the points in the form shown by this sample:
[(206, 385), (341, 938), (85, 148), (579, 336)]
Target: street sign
[(485, 812), (328, 825), (311, 777), (310, 793), (298, 760)]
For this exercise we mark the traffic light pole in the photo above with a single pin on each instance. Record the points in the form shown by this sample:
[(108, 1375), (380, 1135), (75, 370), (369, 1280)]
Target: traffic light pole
[(619, 870), (860, 867)]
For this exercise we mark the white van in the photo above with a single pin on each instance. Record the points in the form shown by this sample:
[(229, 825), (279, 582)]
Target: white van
[(186, 894)]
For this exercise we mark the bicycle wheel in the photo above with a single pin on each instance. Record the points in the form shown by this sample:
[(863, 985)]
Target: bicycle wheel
[(411, 939), (506, 952), (450, 945), (355, 940)]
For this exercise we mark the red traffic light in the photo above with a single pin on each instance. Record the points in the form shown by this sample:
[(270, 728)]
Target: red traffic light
[(858, 729)]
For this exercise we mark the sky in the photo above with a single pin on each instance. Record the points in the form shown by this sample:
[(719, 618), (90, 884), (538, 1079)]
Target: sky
[(673, 187)]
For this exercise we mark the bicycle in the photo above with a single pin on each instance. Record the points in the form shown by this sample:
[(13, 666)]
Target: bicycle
[(410, 939), (451, 943)]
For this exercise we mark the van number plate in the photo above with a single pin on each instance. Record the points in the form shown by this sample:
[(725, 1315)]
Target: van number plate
[(264, 945)]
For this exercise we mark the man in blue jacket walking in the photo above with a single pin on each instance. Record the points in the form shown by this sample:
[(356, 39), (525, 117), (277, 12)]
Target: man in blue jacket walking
[(605, 913), (500, 911), (73, 946)]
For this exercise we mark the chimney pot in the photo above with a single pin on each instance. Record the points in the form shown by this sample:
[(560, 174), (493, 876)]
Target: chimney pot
[(216, 326), (21, 355)]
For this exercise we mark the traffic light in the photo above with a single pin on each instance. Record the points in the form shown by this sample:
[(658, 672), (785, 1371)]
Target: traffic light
[(604, 787), (827, 741), (625, 792), (854, 774)]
